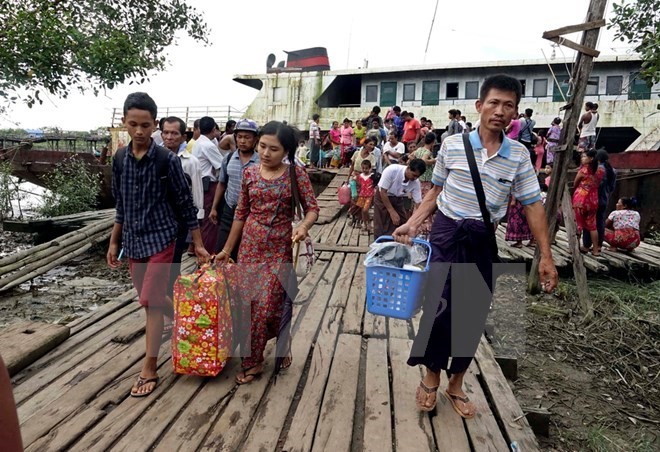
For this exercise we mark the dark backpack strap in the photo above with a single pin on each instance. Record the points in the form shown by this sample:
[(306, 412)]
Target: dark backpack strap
[(479, 190), (118, 160), (225, 164)]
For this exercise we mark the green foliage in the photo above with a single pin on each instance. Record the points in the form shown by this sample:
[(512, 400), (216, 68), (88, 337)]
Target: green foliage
[(73, 188), (56, 45), (637, 22), (8, 190)]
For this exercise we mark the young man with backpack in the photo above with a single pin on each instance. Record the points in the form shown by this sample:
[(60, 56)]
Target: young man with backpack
[(152, 197), (231, 178)]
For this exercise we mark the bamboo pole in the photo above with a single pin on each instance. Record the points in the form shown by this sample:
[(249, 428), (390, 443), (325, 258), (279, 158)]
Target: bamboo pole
[(28, 255), (583, 67)]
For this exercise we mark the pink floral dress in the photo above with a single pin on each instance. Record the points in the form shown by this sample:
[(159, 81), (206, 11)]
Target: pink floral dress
[(585, 198), (265, 250)]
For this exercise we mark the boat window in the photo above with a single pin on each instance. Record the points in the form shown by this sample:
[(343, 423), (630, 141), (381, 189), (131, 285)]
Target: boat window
[(592, 86), (279, 94), (523, 84), (408, 91), (614, 85), (431, 92), (372, 93), (471, 90), (452, 90), (638, 88), (540, 88)]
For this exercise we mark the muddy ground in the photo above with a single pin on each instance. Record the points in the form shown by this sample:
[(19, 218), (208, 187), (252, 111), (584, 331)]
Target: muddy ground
[(598, 381), (64, 293)]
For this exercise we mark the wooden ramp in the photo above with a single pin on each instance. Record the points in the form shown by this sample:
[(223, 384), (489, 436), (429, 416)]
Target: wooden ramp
[(348, 389)]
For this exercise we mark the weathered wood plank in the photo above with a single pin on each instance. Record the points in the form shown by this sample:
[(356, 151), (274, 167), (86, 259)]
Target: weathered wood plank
[(65, 434), (377, 409), (342, 287), (271, 415), (22, 343), (188, 431), (301, 432), (145, 432), (449, 429), (335, 428), (230, 430), (355, 304), (412, 427), (374, 325), (505, 405), (398, 328), (70, 400), (340, 248), (483, 429), (46, 371)]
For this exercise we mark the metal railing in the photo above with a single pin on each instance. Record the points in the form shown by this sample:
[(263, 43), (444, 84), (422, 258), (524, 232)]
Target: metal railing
[(221, 114)]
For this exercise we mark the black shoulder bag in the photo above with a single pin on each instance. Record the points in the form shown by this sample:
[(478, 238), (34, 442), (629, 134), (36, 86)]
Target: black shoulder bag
[(481, 196)]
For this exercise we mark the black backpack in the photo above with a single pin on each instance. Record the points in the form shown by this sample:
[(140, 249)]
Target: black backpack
[(162, 169)]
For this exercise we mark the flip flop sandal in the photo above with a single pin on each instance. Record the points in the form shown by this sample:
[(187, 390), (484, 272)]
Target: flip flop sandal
[(453, 398), (141, 382), (422, 395), (248, 377)]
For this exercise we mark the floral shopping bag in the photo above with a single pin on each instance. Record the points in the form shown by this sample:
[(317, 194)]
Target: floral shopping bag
[(202, 333)]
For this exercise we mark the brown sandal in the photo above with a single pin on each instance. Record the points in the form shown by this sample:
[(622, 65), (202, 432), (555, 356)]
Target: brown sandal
[(141, 381), (453, 398), (423, 394), (249, 377)]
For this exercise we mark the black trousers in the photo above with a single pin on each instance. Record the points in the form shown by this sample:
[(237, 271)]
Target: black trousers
[(224, 228)]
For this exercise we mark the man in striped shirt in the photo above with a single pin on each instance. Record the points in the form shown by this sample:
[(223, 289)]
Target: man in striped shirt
[(459, 236)]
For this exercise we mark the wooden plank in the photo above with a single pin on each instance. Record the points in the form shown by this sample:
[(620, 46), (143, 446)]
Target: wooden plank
[(337, 229), (78, 392), (65, 434), (483, 429), (505, 405), (230, 430), (188, 431), (412, 427), (374, 325), (272, 412), (377, 409), (342, 287), (145, 432), (573, 29), (355, 304), (22, 343), (301, 431), (66, 358), (450, 434), (340, 248), (398, 328), (335, 428)]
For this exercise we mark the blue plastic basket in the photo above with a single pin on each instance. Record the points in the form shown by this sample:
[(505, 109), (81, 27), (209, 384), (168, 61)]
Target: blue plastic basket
[(395, 292)]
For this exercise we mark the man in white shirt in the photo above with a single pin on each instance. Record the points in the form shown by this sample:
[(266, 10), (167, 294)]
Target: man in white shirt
[(393, 150), (173, 133), (397, 183), (587, 126), (210, 162)]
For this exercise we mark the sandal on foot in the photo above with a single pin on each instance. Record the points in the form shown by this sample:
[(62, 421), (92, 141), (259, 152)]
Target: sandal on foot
[(249, 377), (141, 381), (423, 394), (453, 398)]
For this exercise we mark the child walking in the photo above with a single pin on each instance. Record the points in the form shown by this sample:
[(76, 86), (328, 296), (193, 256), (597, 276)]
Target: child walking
[(150, 206), (366, 190)]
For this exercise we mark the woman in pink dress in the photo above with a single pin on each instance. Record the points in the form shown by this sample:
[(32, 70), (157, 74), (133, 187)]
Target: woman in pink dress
[(263, 231), (513, 129), (539, 149), (553, 140), (346, 140), (585, 198)]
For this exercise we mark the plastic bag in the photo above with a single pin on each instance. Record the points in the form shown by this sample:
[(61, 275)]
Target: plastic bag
[(397, 255)]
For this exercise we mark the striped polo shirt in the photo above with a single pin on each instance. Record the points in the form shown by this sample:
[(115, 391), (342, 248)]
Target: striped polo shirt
[(509, 171), (233, 174)]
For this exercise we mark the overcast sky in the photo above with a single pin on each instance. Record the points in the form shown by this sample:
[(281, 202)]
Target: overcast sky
[(244, 33)]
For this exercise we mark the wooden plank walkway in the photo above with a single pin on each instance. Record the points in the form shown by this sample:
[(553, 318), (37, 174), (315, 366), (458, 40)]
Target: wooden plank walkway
[(348, 389)]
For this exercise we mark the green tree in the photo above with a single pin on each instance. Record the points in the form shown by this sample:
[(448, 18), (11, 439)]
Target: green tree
[(60, 45), (637, 22), (74, 187)]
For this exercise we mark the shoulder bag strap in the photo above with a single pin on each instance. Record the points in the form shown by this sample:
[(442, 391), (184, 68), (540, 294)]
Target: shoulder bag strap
[(479, 190)]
